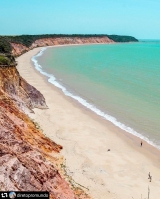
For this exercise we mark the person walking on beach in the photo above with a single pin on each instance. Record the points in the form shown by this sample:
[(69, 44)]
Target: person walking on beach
[(141, 143), (149, 177)]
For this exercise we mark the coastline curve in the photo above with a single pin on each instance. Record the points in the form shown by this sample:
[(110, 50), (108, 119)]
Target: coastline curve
[(52, 79)]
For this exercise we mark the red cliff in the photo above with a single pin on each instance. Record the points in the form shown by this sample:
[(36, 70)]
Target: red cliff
[(19, 49), (29, 161)]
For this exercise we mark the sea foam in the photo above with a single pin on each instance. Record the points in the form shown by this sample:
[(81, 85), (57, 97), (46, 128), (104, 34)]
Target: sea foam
[(53, 80)]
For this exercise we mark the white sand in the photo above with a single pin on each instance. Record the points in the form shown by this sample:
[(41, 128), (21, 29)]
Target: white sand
[(121, 173)]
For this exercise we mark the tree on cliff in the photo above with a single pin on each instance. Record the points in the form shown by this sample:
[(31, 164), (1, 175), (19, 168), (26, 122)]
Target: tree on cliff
[(5, 46)]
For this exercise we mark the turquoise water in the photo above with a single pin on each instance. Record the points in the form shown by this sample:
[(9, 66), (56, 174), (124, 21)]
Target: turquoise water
[(120, 82)]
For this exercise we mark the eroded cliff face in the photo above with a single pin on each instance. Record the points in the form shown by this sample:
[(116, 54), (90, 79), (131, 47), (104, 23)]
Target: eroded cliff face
[(19, 49), (29, 161), (24, 95)]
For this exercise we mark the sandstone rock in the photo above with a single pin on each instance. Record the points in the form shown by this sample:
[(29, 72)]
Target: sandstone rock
[(24, 95), (19, 49), (27, 157)]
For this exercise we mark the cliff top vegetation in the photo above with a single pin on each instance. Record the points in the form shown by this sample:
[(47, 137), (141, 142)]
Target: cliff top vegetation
[(27, 40), (5, 46), (7, 60)]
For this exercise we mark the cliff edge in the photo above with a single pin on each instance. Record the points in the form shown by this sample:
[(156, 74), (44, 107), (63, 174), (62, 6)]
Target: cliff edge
[(29, 161), (25, 96), (19, 48)]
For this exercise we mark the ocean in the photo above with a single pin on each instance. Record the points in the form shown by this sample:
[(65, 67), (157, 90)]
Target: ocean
[(120, 82)]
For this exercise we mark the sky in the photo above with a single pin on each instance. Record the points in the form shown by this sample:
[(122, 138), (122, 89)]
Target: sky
[(138, 18)]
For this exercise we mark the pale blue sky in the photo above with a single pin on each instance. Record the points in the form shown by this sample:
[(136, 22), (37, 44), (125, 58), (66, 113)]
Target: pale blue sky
[(139, 18)]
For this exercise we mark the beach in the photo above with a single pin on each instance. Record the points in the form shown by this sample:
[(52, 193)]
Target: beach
[(108, 162)]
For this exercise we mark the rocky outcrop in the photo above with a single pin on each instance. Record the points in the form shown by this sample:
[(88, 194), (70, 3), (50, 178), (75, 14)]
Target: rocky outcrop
[(19, 49), (24, 95), (29, 161), (23, 155)]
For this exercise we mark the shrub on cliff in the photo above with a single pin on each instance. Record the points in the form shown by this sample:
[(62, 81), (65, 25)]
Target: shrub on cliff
[(119, 38), (4, 60), (27, 40), (7, 60), (5, 46)]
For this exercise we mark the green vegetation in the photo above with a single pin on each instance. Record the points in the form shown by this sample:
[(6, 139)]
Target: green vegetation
[(6, 49), (118, 38), (7, 60), (27, 40), (3, 60), (5, 46)]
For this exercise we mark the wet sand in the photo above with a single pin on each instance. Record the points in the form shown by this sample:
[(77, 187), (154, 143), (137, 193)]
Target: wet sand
[(122, 172)]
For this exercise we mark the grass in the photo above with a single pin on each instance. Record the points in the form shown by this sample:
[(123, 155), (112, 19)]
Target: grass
[(7, 60), (4, 60)]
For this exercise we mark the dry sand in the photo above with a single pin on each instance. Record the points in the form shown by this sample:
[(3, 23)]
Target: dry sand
[(122, 172)]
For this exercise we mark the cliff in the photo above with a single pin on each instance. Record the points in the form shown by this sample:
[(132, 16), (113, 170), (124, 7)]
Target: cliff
[(18, 49), (25, 96), (122, 39), (29, 161), (21, 43)]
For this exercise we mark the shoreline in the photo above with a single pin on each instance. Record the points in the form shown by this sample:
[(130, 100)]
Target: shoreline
[(95, 128), (52, 80)]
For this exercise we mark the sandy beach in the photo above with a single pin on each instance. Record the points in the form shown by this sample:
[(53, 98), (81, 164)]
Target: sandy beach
[(118, 173)]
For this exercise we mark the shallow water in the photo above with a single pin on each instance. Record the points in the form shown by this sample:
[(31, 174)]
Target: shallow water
[(120, 82)]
